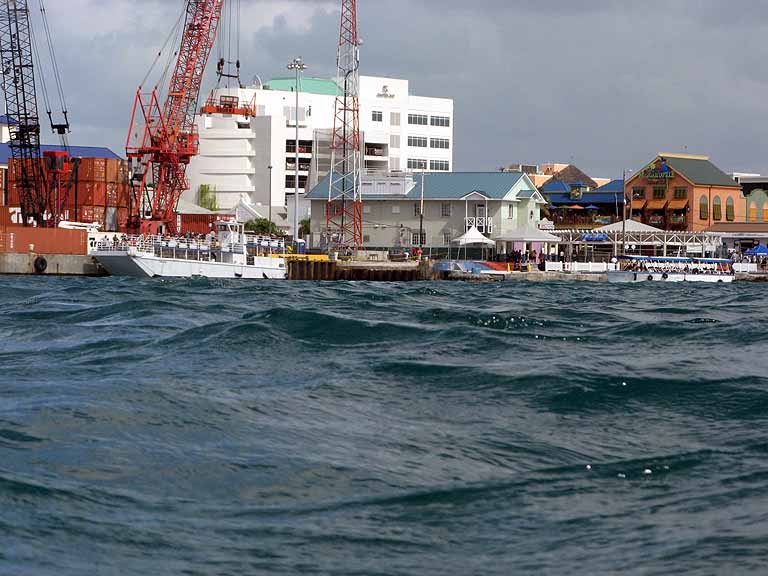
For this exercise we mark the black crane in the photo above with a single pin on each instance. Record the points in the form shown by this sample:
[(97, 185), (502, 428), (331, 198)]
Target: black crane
[(42, 187)]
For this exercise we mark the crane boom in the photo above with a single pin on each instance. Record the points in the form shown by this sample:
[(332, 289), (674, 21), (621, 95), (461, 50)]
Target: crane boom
[(21, 108), (163, 139)]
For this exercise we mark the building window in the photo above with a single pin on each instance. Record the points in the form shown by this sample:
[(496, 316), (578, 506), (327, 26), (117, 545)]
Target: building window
[(638, 193), (442, 143), (447, 237), (511, 211), (417, 164), (439, 165), (703, 208), (394, 118), (418, 119), (659, 193), (417, 240), (366, 239), (377, 116), (445, 210), (394, 140), (290, 182), (416, 209), (417, 141), (394, 164), (753, 211), (681, 192), (729, 210), (717, 209), (396, 209), (443, 121)]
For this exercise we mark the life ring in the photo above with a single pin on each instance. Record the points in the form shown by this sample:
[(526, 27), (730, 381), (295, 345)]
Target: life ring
[(650, 277), (40, 264), (664, 276)]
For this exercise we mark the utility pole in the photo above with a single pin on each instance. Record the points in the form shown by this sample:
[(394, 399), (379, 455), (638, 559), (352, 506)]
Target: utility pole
[(421, 216), (270, 195)]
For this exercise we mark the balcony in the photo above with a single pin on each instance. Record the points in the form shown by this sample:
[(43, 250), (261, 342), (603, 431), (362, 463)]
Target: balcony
[(483, 224)]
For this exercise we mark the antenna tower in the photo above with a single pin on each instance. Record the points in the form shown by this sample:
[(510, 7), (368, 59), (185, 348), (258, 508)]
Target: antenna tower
[(344, 214)]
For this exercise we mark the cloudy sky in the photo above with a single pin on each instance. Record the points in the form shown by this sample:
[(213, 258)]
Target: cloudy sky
[(603, 83)]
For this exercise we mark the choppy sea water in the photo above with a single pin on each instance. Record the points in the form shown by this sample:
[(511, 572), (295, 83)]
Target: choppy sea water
[(202, 427)]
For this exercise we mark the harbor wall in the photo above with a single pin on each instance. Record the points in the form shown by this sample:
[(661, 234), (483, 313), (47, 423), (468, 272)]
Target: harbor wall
[(55, 264)]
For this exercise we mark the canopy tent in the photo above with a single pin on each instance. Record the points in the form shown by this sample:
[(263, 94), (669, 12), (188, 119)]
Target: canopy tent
[(595, 237), (528, 235), (473, 236), (759, 250), (631, 226)]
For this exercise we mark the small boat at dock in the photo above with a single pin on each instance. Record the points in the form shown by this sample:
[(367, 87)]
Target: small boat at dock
[(672, 269), (230, 254)]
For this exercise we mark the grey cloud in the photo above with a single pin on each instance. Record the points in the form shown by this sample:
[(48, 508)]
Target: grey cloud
[(607, 83)]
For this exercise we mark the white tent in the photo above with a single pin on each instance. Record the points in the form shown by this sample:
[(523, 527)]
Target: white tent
[(473, 236), (631, 226), (528, 235)]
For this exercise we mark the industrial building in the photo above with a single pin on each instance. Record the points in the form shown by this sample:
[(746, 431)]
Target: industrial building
[(248, 138)]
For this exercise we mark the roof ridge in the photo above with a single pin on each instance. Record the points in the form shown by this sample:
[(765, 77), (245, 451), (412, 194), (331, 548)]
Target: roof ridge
[(683, 156)]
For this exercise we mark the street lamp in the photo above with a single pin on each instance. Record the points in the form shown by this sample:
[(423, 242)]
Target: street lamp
[(297, 66), (270, 195)]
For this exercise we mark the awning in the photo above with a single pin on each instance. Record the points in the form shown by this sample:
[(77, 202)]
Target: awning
[(473, 236), (678, 204), (638, 204), (528, 235), (595, 237), (656, 204)]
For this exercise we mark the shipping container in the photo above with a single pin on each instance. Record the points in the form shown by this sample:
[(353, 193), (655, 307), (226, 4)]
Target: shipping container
[(197, 223), (21, 240)]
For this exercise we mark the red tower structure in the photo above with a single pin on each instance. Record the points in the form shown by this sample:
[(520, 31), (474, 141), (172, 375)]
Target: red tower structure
[(344, 215), (163, 139)]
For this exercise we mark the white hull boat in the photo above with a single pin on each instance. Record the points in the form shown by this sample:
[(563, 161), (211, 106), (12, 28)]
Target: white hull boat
[(231, 255), (672, 269)]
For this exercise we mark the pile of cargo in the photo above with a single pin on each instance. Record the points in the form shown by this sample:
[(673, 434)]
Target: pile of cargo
[(100, 192)]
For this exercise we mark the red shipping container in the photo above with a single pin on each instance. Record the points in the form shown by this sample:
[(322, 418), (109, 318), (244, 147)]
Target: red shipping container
[(112, 168), (19, 239), (111, 194), (99, 169)]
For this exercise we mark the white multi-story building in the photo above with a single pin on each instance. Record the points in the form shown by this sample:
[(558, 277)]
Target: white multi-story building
[(248, 135)]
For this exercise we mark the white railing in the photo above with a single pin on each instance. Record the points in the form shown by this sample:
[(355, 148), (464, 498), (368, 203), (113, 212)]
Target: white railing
[(483, 224), (745, 267), (553, 266), (589, 267)]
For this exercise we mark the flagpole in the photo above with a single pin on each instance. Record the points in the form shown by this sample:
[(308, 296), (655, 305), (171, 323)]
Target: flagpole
[(421, 217)]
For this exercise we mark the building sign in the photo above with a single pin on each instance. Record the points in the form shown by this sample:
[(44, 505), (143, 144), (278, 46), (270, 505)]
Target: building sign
[(659, 171), (385, 92)]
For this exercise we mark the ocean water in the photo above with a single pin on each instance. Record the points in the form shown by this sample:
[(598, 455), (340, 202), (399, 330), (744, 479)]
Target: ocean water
[(204, 427)]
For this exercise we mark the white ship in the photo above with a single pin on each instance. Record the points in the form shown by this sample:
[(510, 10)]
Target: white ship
[(671, 269), (232, 254)]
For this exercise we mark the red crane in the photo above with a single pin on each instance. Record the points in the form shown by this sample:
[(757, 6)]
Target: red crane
[(163, 139), (344, 218)]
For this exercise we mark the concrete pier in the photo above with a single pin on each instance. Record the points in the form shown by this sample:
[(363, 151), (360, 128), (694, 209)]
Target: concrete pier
[(50, 264)]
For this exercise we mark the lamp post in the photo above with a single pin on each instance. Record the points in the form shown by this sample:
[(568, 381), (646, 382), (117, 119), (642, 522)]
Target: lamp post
[(270, 194), (298, 66)]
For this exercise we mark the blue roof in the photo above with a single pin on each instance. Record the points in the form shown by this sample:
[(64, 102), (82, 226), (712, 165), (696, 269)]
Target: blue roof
[(446, 186), (74, 151), (612, 186), (7, 120), (555, 185)]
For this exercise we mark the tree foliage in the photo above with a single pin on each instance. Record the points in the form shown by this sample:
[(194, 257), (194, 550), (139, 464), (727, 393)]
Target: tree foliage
[(264, 226)]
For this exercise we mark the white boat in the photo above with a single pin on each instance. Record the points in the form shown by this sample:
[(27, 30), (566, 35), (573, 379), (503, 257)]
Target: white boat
[(232, 254), (672, 269)]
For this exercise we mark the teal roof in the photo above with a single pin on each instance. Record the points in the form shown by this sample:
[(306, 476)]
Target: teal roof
[(309, 85), (701, 172), (445, 186)]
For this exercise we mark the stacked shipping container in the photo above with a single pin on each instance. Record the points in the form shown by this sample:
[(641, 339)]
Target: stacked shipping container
[(100, 193)]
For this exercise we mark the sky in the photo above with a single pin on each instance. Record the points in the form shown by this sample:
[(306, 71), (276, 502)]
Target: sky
[(604, 84)]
